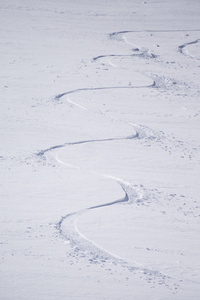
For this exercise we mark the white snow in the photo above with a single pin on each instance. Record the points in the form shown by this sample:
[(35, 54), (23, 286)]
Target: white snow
[(100, 149)]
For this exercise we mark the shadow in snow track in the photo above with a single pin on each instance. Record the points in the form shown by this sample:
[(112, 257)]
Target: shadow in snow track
[(118, 33), (102, 88), (143, 54), (42, 152), (181, 48), (59, 224)]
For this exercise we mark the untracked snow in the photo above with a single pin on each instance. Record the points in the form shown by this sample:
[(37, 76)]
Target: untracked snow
[(100, 150)]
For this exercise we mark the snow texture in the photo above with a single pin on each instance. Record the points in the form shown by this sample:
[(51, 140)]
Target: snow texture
[(100, 150)]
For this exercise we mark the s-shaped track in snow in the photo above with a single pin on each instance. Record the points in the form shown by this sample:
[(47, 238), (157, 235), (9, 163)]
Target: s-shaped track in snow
[(78, 241)]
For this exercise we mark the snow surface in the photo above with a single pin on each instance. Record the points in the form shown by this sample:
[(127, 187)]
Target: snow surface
[(100, 149)]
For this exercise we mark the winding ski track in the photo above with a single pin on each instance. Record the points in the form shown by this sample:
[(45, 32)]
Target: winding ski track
[(73, 234)]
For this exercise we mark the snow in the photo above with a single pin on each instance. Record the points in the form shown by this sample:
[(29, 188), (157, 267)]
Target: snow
[(100, 149)]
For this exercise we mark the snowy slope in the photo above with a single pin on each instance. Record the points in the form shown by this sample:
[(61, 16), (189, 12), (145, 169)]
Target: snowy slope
[(100, 149)]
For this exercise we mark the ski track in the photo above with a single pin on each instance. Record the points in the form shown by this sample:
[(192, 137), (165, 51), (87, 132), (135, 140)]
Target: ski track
[(102, 88), (182, 48), (81, 244), (95, 254)]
